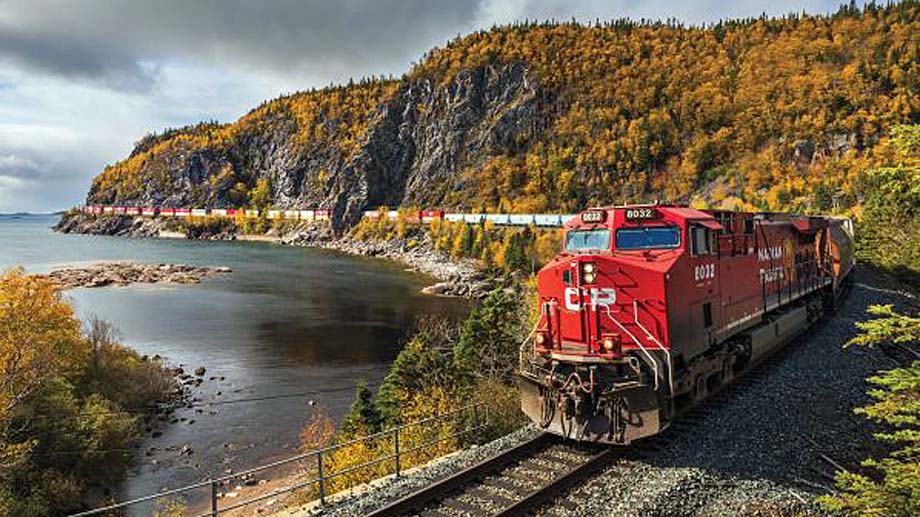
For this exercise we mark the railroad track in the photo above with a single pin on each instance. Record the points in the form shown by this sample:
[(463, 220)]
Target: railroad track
[(542, 473), (510, 483)]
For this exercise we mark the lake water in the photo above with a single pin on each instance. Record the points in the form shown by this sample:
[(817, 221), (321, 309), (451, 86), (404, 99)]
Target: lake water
[(287, 326)]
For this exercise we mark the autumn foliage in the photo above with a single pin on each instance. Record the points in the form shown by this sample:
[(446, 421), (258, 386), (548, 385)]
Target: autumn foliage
[(767, 113), (70, 401)]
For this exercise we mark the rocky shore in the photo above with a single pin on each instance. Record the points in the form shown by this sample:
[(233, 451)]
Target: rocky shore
[(103, 274), (119, 225), (456, 277)]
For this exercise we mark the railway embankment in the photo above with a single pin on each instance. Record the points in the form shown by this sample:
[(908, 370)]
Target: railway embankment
[(768, 445)]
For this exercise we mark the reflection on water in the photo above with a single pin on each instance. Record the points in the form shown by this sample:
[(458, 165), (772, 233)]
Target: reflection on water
[(287, 320)]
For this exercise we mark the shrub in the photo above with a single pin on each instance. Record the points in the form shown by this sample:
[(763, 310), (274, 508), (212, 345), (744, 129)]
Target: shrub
[(889, 228), (318, 432)]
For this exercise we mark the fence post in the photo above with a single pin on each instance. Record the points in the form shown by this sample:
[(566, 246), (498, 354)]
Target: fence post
[(396, 448), (322, 480), (213, 498)]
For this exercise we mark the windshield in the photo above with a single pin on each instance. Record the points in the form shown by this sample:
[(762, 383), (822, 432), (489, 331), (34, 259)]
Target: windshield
[(587, 240), (647, 237)]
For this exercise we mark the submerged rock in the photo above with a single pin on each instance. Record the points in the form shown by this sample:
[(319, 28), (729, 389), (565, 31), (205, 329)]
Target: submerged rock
[(103, 274)]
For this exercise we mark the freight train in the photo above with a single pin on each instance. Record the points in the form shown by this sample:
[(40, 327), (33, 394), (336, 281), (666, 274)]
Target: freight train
[(183, 212), (410, 216), (651, 308)]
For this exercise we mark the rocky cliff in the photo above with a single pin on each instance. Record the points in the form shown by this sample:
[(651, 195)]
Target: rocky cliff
[(756, 114), (417, 141)]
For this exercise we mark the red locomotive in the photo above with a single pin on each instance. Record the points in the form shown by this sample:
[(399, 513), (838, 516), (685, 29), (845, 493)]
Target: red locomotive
[(651, 308)]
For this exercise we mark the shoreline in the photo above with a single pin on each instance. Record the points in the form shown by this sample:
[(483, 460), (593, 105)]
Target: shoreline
[(408, 257), (455, 277)]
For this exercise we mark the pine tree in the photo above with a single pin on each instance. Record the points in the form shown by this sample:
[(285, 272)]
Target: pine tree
[(363, 417), (421, 364), (515, 252), (489, 338)]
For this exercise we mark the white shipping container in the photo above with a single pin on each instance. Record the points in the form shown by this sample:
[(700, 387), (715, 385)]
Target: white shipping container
[(199, 212), (274, 214)]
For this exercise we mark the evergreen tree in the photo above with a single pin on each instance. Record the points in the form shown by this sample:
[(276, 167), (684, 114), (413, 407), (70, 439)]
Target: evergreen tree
[(489, 338), (363, 417), (889, 230), (422, 364), (515, 252), (895, 489)]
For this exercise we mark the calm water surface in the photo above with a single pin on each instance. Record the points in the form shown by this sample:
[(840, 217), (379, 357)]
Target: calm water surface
[(286, 322)]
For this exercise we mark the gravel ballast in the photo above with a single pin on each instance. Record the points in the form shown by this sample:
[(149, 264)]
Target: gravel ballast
[(767, 446), (362, 500)]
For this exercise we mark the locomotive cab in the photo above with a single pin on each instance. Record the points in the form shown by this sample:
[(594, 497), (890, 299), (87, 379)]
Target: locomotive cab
[(602, 366)]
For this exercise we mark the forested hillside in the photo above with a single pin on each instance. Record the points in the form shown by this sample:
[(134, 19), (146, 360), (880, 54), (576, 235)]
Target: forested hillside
[(769, 113)]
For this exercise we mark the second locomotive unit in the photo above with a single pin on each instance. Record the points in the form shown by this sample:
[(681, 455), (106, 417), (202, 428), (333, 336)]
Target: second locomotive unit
[(650, 308)]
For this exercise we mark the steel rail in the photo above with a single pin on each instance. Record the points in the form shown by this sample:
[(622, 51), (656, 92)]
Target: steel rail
[(438, 490), (568, 478), (472, 476)]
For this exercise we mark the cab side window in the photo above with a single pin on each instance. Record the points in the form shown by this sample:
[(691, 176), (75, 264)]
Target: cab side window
[(700, 241)]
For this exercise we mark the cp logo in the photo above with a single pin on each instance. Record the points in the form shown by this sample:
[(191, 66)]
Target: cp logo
[(603, 297)]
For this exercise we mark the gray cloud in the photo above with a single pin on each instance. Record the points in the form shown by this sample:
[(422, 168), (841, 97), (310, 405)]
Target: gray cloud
[(76, 59), (20, 167), (106, 40)]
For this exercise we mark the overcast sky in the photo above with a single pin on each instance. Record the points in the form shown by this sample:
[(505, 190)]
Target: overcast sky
[(82, 80)]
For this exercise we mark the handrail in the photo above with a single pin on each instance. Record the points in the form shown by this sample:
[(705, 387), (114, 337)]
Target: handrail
[(651, 359), (657, 342), (317, 453)]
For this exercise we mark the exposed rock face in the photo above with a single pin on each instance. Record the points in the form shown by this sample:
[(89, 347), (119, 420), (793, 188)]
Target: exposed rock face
[(415, 148), (123, 226), (429, 134)]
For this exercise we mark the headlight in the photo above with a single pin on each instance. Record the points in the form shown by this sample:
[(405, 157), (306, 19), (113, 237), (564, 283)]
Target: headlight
[(588, 267), (588, 278), (541, 338), (608, 343)]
